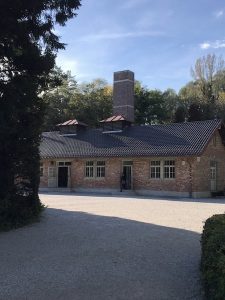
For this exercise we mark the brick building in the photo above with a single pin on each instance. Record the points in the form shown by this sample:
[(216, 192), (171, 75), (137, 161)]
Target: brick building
[(181, 159)]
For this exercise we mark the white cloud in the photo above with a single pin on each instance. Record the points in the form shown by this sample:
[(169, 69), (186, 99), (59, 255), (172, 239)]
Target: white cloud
[(218, 14), (214, 45), (67, 64), (205, 45), (119, 35)]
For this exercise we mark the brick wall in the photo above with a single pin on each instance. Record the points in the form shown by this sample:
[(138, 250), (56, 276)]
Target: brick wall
[(191, 174), (201, 169), (123, 94)]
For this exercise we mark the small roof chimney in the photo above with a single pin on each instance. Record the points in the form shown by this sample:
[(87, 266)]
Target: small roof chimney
[(123, 94), (71, 127)]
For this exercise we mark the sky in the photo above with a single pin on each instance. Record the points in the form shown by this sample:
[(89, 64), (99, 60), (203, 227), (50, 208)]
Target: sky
[(158, 40)]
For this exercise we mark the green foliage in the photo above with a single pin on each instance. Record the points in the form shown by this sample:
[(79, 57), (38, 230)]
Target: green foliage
[(87, 102), (153, 106), (91, 102), (195, 112), (213, 257), (180, 115), (27, 54), (201, 99), (61, 89)]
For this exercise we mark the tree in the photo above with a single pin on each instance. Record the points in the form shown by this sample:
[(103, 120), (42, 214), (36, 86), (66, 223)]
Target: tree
[(180, 115), (57, 97), (149, 106), (91, 102), (208, 73), (190, 94), (171, 102), (195, 112), (28, 49)]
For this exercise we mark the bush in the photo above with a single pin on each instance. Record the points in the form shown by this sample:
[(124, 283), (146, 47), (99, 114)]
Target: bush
[(213, 257), (18, 213)]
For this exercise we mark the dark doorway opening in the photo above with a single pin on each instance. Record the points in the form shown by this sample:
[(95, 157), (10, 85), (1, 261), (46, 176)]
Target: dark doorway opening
[(127, 173), (62, 176)]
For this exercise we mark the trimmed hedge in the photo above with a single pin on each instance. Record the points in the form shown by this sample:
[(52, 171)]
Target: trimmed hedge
[(213, 257)]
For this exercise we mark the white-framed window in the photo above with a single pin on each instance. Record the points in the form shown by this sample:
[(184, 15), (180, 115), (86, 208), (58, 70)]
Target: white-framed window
[(64, 163), (41, 169), (155, 169), (95, 169), (89, 169), (52, 172), (169, 169), (100, 169)]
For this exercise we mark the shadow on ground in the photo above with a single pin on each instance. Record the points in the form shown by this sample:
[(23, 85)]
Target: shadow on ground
[(75, 255)]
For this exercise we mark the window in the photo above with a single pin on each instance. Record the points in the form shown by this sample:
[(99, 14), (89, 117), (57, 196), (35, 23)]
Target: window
[(100, 169), (89, 169), (214, 141), (64, 163), (95, 169), (41, 170), (52, 172), (169, 169), (155, 169)]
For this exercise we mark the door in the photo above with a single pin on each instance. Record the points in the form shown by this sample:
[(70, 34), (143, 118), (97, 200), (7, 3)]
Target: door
[(213, 176), (127, 175), (52, 177), (62, 176)]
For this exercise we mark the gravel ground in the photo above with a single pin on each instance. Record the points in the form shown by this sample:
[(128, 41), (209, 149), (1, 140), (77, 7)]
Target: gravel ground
[(101, 247)]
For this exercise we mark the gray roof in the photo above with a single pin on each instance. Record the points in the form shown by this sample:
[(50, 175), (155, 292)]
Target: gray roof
[(178, 139)]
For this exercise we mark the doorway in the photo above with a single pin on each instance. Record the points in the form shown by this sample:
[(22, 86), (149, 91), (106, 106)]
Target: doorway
[(127, 175), (62, 176)]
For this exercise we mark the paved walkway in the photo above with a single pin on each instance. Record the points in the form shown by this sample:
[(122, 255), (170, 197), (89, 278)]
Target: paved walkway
[(100, 248)]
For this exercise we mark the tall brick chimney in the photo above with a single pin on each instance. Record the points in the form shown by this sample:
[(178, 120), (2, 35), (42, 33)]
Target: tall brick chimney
[(123, 94)]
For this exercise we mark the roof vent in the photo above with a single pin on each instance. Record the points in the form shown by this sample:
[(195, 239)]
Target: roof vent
[(71, 127), (114, 124)]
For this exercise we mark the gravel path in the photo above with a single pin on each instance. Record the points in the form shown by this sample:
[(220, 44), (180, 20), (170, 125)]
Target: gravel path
[(100, 248)]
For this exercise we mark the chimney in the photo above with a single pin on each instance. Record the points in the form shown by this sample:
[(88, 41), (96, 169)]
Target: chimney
[(123, 94)]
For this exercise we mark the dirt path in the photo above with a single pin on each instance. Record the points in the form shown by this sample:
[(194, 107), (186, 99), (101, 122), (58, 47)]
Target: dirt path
[(99, 248)]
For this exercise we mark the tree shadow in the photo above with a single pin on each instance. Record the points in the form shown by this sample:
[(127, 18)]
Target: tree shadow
[(76, 255)]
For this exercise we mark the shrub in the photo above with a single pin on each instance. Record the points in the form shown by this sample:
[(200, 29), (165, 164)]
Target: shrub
[(213, 257), (15, 214)]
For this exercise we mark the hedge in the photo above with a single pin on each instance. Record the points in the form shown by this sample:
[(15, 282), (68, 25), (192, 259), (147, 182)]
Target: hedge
[(213, 257)]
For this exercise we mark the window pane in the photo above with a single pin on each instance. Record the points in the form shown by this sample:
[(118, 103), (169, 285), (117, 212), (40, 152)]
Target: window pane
[(155, 169), (155, 163), (52, 172), (100, 163), (100, 172), (89, 171), (67, 163)]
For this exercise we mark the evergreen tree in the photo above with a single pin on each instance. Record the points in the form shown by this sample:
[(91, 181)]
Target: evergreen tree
[(179, 116), (195, 112), (28, 49)]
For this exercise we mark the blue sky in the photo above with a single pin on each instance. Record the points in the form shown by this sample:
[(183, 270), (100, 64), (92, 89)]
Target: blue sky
[(158, 40)]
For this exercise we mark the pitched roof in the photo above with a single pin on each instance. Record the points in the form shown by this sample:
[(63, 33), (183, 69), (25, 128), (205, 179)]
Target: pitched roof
[(72, 122), (114, 119), (178, 139)]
